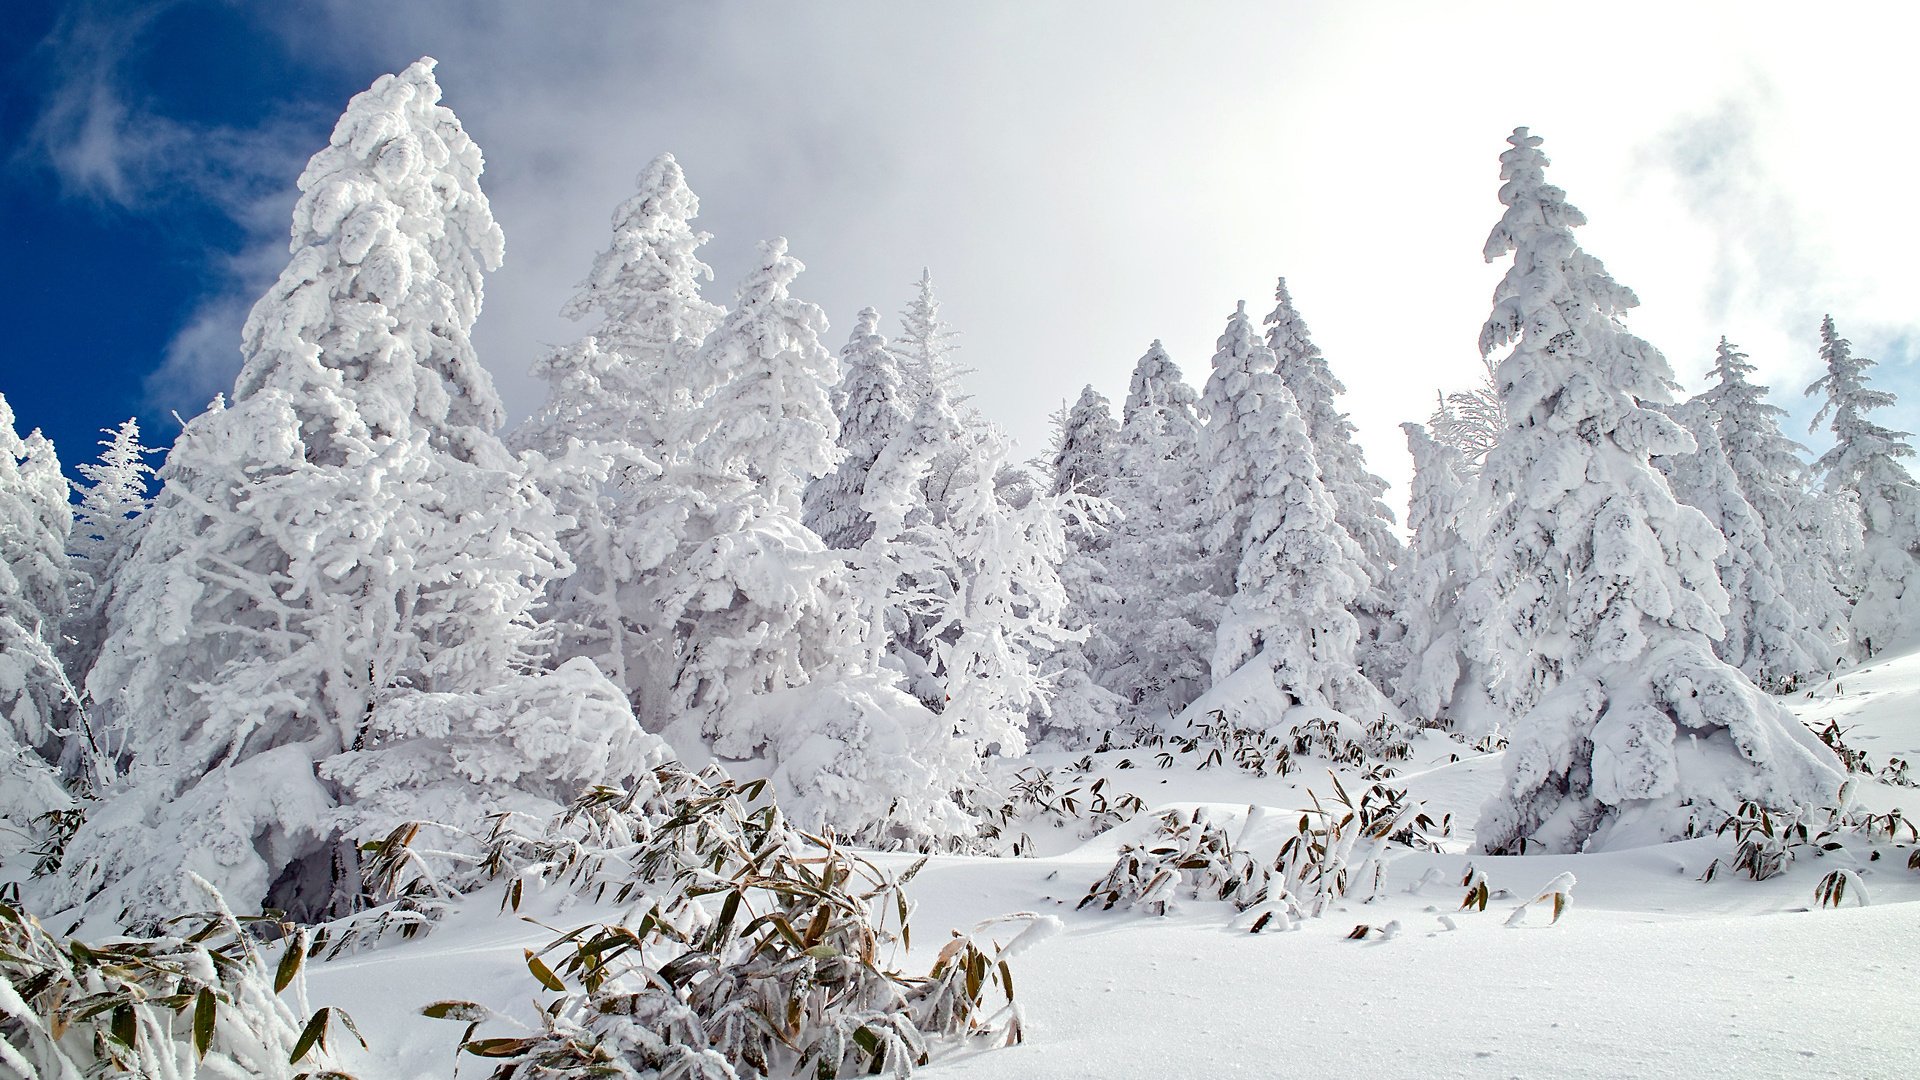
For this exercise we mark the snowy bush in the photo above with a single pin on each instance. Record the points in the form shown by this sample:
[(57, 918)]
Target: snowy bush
[(200, 1000), (748, 949), (1039, 796), (1767, 842), (1334, 851)]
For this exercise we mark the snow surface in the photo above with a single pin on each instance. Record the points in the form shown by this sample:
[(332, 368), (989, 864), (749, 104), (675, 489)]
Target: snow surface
[(1650, 972)]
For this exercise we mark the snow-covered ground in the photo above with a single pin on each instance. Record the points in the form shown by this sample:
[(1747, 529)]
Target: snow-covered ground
[(1651, 972)]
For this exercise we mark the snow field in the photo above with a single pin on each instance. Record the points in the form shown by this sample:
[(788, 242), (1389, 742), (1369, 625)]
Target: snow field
[(1650, 972)]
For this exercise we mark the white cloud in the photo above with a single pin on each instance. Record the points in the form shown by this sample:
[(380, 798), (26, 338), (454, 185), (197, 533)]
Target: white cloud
[(1083, 179)]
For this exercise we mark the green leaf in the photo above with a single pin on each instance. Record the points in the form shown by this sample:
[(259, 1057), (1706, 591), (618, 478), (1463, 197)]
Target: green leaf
[(542, 972), (454, 1010), (125, 1026), (823, 952), (204, 1007), (289, 963), (498, 1048), (315, 1033)]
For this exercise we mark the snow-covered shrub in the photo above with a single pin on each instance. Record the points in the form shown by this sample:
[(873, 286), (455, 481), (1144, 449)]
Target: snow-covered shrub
[(1334, 851), (748, 950), (1037, 795), (1766, 842), (1186, 853), (201, 1000)]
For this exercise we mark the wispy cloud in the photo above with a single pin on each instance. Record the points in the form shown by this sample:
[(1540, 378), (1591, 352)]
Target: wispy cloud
[(104, 142)]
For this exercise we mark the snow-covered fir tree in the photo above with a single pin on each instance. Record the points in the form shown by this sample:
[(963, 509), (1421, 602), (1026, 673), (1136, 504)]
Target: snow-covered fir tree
[(747, 586), (627, 381), (619, 402), (1773, 478), (35, 577), (1439, 562), (925, 347), (1864, 463), (1083, 460), (771, 657), (1287, 635), (1162, 623), (1343, 472), (113, 505), (1003, 611), (320, 632), (1599, 599), (872, 412), (1765, 635), (1083, 464)]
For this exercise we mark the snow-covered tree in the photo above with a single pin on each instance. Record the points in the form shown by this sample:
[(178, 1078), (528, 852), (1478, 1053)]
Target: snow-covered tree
[(1162, 623), (1470, 421), (771, 656), (1864, 463), (1287, 624), (872, 412), (619, 402), (1083, 461), (1773, 478), (1599, 601), (925, 347), (1343, 472), (35, 576), (1003, 614), (322, 630), (1438, 564), (747, 587), (627, 381), (113, 504), (1765, 635), (1082, 468)]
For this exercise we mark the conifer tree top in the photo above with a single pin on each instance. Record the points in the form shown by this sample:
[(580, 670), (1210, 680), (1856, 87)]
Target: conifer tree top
[(390, 238), (1157, 382)]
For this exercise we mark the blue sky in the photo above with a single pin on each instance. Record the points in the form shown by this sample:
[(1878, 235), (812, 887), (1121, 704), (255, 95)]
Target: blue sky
[(113, 246), (1081, 178)]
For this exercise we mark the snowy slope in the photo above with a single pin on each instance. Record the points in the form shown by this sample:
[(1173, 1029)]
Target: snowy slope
[(1651, 972)]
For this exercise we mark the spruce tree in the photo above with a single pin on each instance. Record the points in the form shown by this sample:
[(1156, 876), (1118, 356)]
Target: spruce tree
[(321, 631), (872, 413), (1287, 621), (35, 577), (1162, 623), (619, 402), (1599, 598), (1438, 564), (1083, 462), (1765, 634), (626, 383), (113, 506), (772, 658), (1864, 463), (1080, 707), (1343, 472), (1774, 479), (925, 347)]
